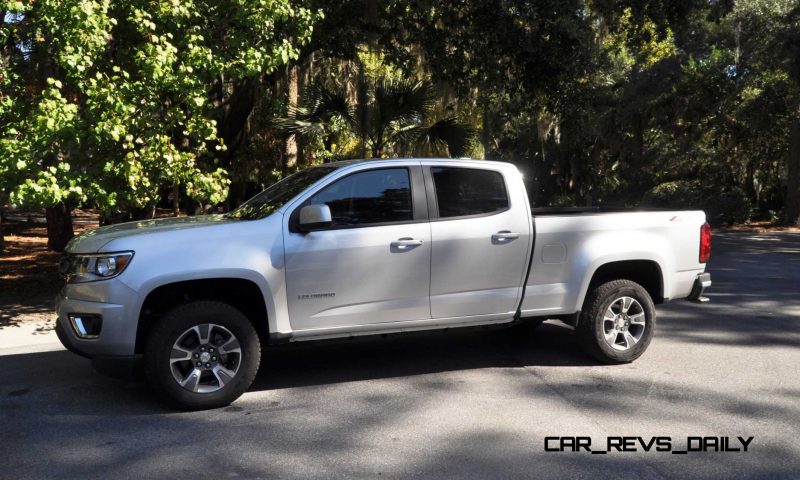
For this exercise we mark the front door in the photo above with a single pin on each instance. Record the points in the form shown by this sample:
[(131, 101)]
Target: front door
[(373, 264)]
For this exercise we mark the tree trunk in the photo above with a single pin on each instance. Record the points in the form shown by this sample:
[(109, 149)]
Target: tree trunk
[(362, 108), (176, 200), (291, 142), (750, 183), (146, 213), (2, 236), (791, 209), (303, 150), (59, 226), (236, 111), (486, 132)]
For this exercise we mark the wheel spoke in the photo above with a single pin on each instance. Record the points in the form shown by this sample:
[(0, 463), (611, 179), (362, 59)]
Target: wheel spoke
[(626, 304), (637, 319), (192, 380), (611, 336), (231, 346), (630, 340), (202, 332), (223, 375), (179, 354), (609, 316)]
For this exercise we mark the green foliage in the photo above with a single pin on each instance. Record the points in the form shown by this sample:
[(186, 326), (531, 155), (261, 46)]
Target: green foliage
[(109, 102), (396, 120), (678, 194), (561, 201), (638, 42), (722, 205)]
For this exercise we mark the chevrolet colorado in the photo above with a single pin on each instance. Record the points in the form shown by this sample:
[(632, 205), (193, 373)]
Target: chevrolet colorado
[(366, 247)]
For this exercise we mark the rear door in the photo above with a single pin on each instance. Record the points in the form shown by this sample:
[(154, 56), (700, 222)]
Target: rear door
[(481, 234)]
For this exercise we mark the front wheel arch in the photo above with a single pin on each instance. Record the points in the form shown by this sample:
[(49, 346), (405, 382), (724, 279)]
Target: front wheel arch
[(243, 294)]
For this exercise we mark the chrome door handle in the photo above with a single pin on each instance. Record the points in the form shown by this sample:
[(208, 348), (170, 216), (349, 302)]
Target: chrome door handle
[(406, 242), (504, 236)]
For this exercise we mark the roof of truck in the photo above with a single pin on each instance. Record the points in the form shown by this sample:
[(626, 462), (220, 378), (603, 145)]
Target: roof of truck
[(344, 163)]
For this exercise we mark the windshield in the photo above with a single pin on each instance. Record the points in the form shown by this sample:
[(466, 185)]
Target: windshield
[(276, 196)]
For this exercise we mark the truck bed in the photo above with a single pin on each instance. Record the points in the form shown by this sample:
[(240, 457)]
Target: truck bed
[(571, 244)]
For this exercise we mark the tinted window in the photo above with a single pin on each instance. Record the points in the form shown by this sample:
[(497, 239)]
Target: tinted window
[(375, 196), (468, 191)]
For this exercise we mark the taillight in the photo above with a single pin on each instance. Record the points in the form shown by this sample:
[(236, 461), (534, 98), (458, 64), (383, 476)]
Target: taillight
[(705, 242)]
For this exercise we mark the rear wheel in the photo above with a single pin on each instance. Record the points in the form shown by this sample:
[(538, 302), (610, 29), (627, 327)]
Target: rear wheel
[(617, 322), (202, 355)]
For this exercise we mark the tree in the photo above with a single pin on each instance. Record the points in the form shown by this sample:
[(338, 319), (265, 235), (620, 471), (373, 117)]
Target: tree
[(109, 102), (396, 120)]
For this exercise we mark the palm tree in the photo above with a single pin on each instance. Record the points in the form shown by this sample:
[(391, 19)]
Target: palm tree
[(396, 119)]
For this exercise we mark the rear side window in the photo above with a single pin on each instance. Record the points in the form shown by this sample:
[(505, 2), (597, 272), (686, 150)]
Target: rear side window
[(469, 191), (364, 198)]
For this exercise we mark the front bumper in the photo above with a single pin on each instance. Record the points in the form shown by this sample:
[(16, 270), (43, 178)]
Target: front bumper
[(701, 283), (112, 351), (120, 366)]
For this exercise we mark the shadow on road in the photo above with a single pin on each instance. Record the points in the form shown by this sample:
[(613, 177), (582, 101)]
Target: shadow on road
[(295, 365), (755, 296), (299, 365)]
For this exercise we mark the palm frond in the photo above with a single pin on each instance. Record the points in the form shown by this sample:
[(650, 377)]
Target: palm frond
[(447, 136), (403, 101), (322, 103)]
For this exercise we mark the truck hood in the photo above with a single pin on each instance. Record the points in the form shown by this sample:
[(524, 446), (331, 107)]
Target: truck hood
[(91, 241)]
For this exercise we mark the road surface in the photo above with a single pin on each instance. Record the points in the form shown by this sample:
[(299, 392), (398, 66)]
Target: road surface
[(474, 404)]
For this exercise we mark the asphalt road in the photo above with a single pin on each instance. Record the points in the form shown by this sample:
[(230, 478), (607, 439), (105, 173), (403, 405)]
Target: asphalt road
[(459, 405)]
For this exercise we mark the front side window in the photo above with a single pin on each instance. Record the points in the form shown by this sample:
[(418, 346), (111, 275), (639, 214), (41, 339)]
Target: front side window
[(469, 191), (277, 195), (371, 197)]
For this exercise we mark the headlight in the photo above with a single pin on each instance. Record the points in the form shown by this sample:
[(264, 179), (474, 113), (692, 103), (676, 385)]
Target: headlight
[(90, 268)]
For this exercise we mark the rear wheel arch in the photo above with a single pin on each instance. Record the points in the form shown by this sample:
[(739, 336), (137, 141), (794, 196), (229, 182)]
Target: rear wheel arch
[(646, 273)]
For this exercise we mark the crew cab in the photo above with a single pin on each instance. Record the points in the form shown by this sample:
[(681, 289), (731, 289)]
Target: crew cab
[(361, 248)]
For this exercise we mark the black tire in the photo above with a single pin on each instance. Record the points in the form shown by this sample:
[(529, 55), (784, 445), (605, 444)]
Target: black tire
[(159, 348), (591, 331)]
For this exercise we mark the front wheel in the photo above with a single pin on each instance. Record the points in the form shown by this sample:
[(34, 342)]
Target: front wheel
[(202, 355), (617, 322)]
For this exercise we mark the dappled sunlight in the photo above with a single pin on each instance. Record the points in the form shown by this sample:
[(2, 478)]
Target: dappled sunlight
[(29, 279)]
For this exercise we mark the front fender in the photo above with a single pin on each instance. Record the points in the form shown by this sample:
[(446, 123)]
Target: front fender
[(151, 284)]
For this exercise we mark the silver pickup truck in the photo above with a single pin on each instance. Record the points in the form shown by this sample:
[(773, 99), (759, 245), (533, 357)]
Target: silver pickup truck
[(360, 248)]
